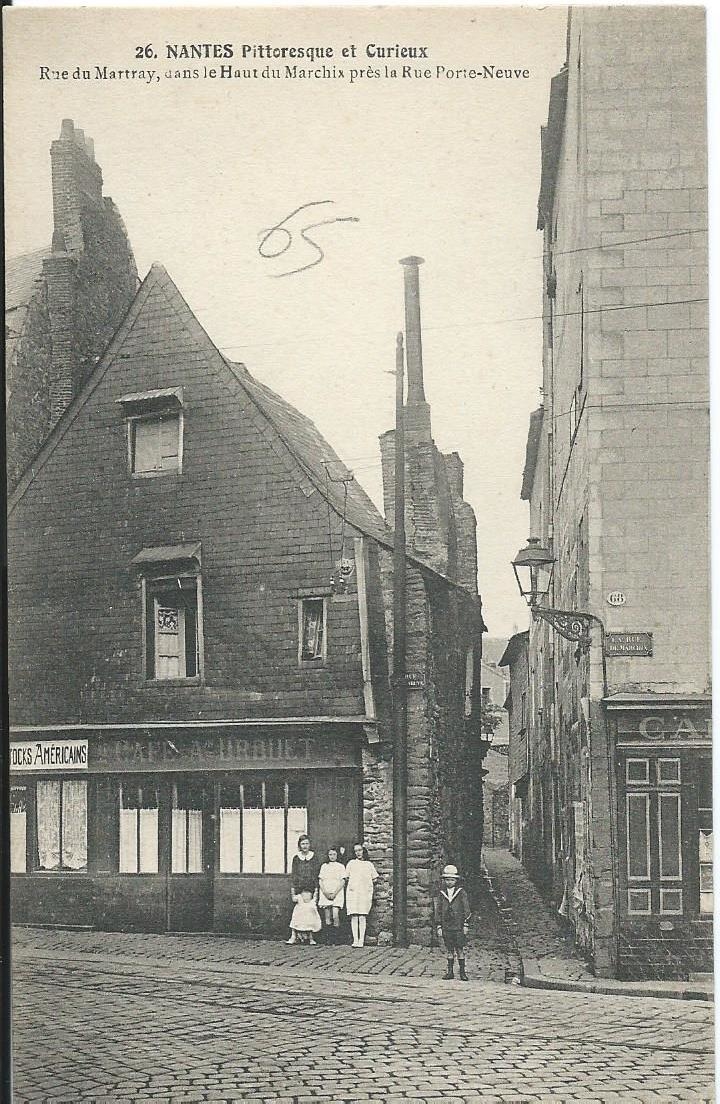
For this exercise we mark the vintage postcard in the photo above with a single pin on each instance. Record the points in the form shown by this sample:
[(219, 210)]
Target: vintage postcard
[(357, 440)]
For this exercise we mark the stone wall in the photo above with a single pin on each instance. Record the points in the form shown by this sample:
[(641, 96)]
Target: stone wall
[(86, 285)]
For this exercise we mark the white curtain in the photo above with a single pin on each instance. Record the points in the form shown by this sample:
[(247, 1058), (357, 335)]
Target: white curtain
[(230, 841), (252, 841), (296, 827), (18, 830), (148, 841), (128, 841), (74, 825), (275, 841), (48, 825), (178, 861), (194, 829)]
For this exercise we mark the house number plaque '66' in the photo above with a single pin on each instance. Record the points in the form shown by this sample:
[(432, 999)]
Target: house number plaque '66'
[(616, 598)]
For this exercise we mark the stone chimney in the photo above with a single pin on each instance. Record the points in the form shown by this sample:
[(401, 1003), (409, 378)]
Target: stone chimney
[(439, 525), (76, 188), (76, 183)]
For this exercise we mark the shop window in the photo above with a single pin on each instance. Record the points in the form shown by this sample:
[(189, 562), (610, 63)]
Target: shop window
[(173, 630), (669, 835), (637, 771), (155, 431), (186, 852), (260, 824), (61, 825), (312, 629), (638, 835), (705, 837), (138, 829), (18, 829)]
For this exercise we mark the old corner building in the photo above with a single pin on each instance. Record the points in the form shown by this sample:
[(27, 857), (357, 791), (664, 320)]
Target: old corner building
[(200, 657), (611, 768)]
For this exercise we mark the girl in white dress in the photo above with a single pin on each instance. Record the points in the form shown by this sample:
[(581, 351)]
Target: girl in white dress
[(332, 891), (305, 920), (360, 878)]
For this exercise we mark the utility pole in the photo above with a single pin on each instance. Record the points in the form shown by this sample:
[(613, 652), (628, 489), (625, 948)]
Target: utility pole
[(399, 683)]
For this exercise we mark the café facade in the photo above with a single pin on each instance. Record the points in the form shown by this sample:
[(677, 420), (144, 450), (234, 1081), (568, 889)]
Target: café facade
[(200, 658)]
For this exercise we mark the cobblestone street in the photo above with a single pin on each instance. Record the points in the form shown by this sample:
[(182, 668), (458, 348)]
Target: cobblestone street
[(103, 1017)]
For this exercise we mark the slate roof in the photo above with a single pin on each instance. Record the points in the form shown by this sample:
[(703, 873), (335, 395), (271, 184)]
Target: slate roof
[(309, 449), (320, 461), (20, 276)]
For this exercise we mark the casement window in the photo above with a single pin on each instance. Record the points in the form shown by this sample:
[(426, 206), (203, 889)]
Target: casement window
[(138, 828), (186, 852), (18, 829), (312, 631), (171, 594), (154, 431), (61, 824), (260, 824)]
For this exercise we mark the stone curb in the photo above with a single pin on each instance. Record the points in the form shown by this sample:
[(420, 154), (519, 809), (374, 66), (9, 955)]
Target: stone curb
[(533, 978)]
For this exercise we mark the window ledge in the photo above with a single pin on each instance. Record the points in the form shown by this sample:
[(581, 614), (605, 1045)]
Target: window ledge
[(312, 664), (155, 474), (153, 684)]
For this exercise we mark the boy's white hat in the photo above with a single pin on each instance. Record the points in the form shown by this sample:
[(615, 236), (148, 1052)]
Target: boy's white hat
[(450, 872)]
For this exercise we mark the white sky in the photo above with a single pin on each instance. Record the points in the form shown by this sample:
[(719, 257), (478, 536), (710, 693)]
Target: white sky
[(446, 169)]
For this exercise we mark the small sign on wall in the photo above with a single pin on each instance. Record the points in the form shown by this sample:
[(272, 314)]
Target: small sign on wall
[(629, 644), (616, 598), (45, 755)]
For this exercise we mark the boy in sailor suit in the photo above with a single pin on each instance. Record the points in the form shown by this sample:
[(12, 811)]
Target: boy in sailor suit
[(452, 915)]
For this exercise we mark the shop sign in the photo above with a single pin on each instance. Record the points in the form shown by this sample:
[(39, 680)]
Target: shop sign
[(42, 755), (415, 680), (233, 751), (670, 727), (628, 644)]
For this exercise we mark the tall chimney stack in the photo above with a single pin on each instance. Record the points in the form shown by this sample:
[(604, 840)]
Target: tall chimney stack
[(413, 333), (417, 410)]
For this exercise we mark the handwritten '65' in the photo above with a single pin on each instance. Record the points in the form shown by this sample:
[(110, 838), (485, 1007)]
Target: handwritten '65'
[(278, 239)]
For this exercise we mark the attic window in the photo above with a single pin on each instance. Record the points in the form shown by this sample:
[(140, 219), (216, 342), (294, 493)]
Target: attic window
[(312, 631), (155, 431)]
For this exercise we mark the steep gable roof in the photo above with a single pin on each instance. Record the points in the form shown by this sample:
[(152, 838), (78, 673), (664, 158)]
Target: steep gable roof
[(318, 466), (293, 436)]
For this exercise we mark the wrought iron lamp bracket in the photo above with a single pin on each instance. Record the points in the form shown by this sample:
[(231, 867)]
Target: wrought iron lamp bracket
[(572, 626)]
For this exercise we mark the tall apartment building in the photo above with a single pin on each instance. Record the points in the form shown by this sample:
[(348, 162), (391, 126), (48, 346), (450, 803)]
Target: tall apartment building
[(618, 817)]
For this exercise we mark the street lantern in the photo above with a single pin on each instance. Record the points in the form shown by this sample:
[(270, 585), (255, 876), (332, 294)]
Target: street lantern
[(533, 570)]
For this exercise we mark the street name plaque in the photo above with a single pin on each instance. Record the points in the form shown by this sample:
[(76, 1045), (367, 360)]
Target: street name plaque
[(628, 644)]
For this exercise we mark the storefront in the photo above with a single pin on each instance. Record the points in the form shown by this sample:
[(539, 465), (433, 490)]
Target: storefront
[(169, 828), (663, 760)]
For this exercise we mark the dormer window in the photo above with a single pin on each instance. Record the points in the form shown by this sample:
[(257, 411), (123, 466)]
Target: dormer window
[(154, 431)]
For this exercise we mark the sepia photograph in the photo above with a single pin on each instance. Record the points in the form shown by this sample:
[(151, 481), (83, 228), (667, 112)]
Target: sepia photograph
[(359, 661)]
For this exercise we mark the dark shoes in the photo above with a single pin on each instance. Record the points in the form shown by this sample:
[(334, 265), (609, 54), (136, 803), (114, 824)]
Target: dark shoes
[(449, 975)]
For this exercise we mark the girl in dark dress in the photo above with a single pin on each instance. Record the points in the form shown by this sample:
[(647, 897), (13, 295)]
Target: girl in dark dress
[(304, 874)]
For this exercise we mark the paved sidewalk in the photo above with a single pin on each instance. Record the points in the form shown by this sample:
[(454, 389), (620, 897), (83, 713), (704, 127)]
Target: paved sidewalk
[(548, 956)]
